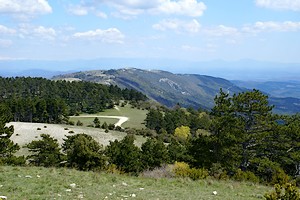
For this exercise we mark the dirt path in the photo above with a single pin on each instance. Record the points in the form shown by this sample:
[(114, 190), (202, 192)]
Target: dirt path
[(119, 123)]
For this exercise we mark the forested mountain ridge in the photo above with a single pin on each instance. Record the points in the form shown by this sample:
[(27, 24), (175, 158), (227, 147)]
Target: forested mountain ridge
[(165, 87), (43, 100), (189, 90)]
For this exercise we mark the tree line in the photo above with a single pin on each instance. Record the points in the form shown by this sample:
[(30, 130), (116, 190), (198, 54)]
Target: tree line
[(42, 100)]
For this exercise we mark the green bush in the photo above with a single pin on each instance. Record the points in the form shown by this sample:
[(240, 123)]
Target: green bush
[(182, 169), (197, 174), (245, 176), (71, 123), (83, 152), (218, 172), (45, 152), (287, 191), (79, 123)]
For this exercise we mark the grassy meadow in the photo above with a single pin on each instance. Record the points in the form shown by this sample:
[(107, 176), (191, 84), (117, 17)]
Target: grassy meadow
[(136, 116), (35, 183)]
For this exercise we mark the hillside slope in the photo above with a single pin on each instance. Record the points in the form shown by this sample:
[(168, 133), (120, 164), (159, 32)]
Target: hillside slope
[(164, 87)]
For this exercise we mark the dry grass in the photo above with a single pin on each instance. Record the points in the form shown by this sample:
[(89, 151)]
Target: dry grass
[(26, 132)]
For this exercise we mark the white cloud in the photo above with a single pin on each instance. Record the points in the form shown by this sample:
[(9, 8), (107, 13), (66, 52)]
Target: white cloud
[(41, 32), (179, 26), (5, 30), (45, 33), (221, 31), (78, 10), (111, 35), (24, 8), (101, 15), (272, 26), (293, 5), (191, 8), (128, 9)]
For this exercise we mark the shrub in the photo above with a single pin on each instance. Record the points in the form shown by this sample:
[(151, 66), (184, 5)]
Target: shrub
[(113, 169), (66, 129), (83, 152), (79, 123), (71, 132), (124, 154), (111, 126), (197, 174), (45, 126), (71, 123), (245, 176), (154, 154), (38, 129), (218, 172), (182, 169), (287, 191), (46, 152)]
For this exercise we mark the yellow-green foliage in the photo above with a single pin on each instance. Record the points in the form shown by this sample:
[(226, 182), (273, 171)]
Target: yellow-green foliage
[(245, 176), (288, 191), (113, 169), (280, 177), (182, 169), (182, 132)]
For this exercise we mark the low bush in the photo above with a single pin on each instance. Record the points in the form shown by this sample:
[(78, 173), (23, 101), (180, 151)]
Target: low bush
[(245, 176), (182, 169), (287, 191)]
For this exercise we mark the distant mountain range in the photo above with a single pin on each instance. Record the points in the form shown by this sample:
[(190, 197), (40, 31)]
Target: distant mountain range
[(169, 89)]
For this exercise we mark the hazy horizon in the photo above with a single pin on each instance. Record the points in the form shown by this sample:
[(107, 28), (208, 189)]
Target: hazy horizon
[(232, 39)]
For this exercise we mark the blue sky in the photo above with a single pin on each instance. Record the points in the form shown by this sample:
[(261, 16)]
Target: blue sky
[(231, 30)]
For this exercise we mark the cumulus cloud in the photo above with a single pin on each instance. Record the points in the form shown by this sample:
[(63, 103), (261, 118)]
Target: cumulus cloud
[(78, 10), (179, 26), (21, 8), (111, 35), (222, 30), (131, 8), (6, 30), (41, 32), (271, 26), (293, 5), (182, 7)]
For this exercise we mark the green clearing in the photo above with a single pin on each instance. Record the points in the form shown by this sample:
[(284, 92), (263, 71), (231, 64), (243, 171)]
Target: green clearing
[(54, 183), (136, 117)]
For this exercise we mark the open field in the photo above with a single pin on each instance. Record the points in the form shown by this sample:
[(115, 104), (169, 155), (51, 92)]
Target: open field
[(135, 117), (50, 183), (26, 132)]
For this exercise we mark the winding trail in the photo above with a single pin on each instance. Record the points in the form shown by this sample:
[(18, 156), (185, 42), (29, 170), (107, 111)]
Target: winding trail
[(119, 123)]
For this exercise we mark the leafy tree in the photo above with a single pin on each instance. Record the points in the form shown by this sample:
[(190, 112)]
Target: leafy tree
[(154, 153), (46, 152), (124, 154), (182, 133), (83, 152)]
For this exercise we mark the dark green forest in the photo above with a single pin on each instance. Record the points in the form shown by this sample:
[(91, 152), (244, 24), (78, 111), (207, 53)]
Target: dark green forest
[(42, 100), (240, 138)]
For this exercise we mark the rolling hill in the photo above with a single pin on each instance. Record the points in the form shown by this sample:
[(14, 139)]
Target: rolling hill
[(164, 87), (189, 90)]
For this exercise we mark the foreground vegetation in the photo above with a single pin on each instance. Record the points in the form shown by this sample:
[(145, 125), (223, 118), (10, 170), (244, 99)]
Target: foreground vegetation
[(37, 183), (240, 139)]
